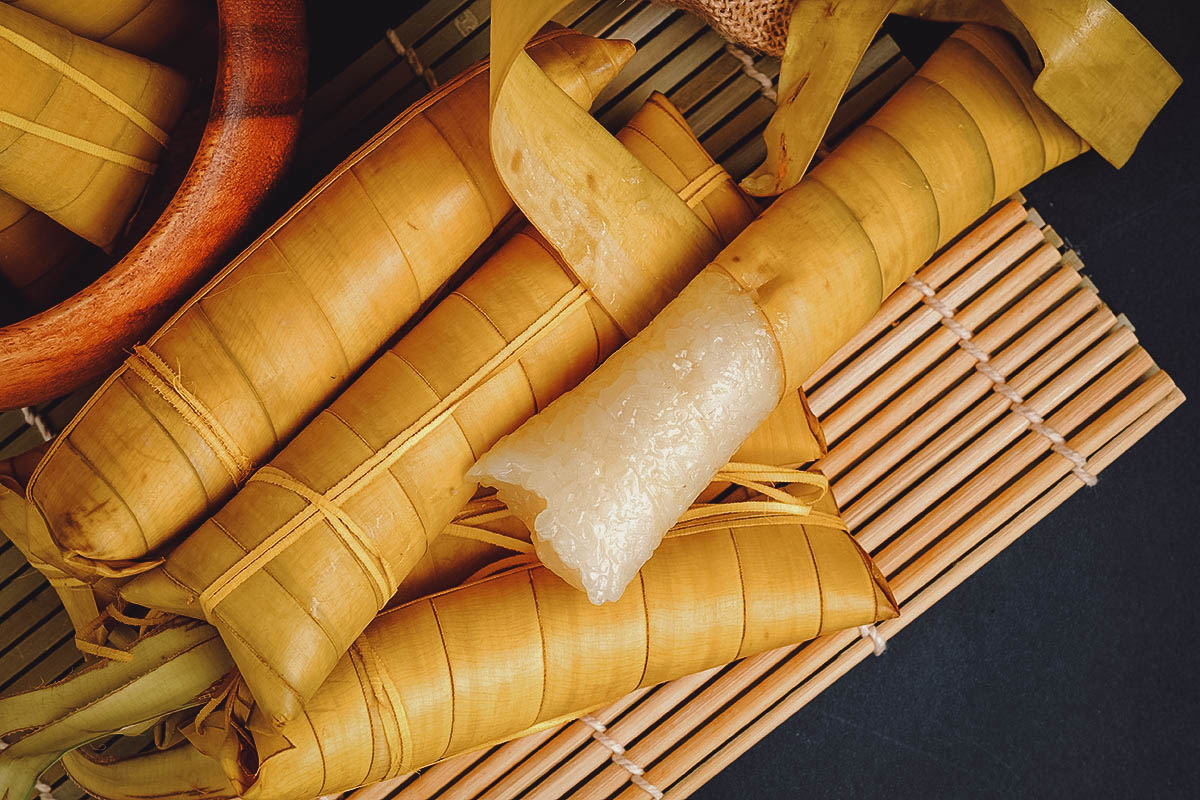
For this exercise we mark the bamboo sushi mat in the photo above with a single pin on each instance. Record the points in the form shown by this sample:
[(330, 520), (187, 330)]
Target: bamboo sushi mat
[(982, 396)]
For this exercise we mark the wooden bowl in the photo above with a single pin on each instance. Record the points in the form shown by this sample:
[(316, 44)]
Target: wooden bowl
[(246, 146)]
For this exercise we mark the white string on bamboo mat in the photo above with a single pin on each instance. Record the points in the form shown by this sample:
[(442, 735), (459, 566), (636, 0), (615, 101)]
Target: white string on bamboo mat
[(1000, 385), (45, 791), (600, 734), (409, 54), (3, 745), (751, 71), (872, 635), (37, 421), (466, 23)]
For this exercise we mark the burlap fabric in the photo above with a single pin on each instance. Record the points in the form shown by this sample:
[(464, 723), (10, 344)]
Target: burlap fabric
[(758, 24)]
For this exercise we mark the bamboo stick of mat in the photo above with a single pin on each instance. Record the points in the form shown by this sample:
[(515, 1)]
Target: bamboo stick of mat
[(1075, 328), (921, 455), (568, 774), (1012, 461), (1082, 373), (572, 736)]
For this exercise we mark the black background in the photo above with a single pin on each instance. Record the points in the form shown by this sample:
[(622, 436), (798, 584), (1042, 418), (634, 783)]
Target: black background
[(1068, 666)]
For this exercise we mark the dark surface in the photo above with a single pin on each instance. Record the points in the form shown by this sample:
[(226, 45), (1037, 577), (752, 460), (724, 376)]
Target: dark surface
[(1069, 665)]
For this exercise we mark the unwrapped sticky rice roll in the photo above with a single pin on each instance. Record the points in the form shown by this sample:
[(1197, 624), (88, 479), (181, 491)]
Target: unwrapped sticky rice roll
[(710, 359)]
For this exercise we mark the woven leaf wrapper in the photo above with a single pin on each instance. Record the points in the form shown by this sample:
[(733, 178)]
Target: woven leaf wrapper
[(1094, 69), (143, 27), (181, 664), (321, 537), (81, 124), (521, 650), (962, 134), (35, 252), (277, 333), (83, 601)]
